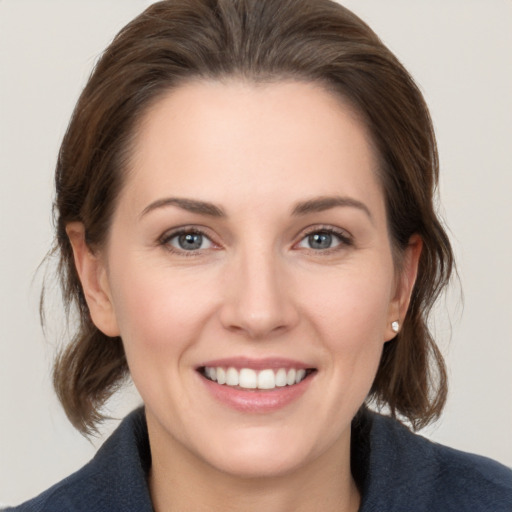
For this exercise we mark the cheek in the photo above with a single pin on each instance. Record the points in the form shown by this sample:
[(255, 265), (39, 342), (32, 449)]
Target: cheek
[(160, 315), (351, 306), (349, 315), (159, 312)]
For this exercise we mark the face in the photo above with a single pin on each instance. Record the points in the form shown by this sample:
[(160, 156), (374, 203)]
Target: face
[(249, 273)]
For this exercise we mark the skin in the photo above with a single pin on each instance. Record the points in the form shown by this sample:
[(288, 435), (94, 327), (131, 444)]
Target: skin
[(256, 288)]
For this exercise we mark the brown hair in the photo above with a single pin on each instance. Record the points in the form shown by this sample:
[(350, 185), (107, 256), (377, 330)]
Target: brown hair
[(260, 40)]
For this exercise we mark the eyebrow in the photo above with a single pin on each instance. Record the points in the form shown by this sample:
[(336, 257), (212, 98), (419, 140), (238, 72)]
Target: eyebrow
[(315, 205), (323, 203), (190, 205)]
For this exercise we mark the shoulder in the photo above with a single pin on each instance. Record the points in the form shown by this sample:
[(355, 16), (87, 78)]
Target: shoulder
[(472, 480), (114, 481), (65, 495), (414, 472)]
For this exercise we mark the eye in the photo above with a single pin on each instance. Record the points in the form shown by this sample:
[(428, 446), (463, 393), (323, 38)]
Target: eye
[(324, 239), (188, 241)]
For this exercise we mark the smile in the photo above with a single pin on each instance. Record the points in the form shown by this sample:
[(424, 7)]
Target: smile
[(256, 386), (248, 378)]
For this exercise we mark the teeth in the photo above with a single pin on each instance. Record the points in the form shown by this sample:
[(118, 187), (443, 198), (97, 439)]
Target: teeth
[(211, 373), (232, 377), (266, 379), (248, 378), (221, 375), (280, 377)]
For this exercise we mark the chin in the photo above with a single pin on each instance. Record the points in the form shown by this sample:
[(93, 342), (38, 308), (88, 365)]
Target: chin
[(257, 465), (260, 454)]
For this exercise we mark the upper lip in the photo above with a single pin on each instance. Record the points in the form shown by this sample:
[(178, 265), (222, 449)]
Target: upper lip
[(256, 364)]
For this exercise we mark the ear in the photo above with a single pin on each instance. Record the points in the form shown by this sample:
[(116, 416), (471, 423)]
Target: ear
[(94, 278), (404, 284)]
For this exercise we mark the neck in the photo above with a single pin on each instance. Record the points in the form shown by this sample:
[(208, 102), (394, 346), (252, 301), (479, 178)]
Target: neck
[(178, 482)]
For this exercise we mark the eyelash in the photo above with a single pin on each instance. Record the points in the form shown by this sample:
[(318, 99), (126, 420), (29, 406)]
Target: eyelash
[(345, 240), (165, 240)]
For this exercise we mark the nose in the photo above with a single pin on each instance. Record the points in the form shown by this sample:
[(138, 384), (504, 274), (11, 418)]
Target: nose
[(258, 300)]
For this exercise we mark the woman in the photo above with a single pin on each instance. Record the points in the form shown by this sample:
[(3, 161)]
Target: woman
[(246, 225)]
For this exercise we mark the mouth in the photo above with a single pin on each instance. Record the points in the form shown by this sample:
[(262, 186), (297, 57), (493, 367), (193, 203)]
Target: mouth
[(256, 386), (247, 379)]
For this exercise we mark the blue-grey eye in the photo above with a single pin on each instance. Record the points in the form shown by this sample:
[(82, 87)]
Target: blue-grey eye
[(320, 240), (190, 241)]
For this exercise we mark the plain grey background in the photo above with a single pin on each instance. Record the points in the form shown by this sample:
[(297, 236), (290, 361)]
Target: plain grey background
[(459, 51)]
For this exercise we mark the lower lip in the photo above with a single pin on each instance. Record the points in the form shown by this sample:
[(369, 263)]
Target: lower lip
[(257, 401)]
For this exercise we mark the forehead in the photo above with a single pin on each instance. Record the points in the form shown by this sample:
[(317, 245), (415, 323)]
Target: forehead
[(229, 141)]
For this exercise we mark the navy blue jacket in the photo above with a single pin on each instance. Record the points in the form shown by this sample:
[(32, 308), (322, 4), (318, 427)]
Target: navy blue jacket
[(396, 471)]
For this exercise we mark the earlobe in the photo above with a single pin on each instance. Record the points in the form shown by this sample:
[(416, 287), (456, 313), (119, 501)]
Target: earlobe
[(405, 285), (93, 277)]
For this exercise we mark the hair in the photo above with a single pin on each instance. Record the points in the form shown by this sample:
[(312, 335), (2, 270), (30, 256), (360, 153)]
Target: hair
[(175, 41)]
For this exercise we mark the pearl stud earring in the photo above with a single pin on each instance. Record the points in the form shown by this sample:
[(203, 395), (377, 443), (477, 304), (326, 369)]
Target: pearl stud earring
[(395, 326)]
